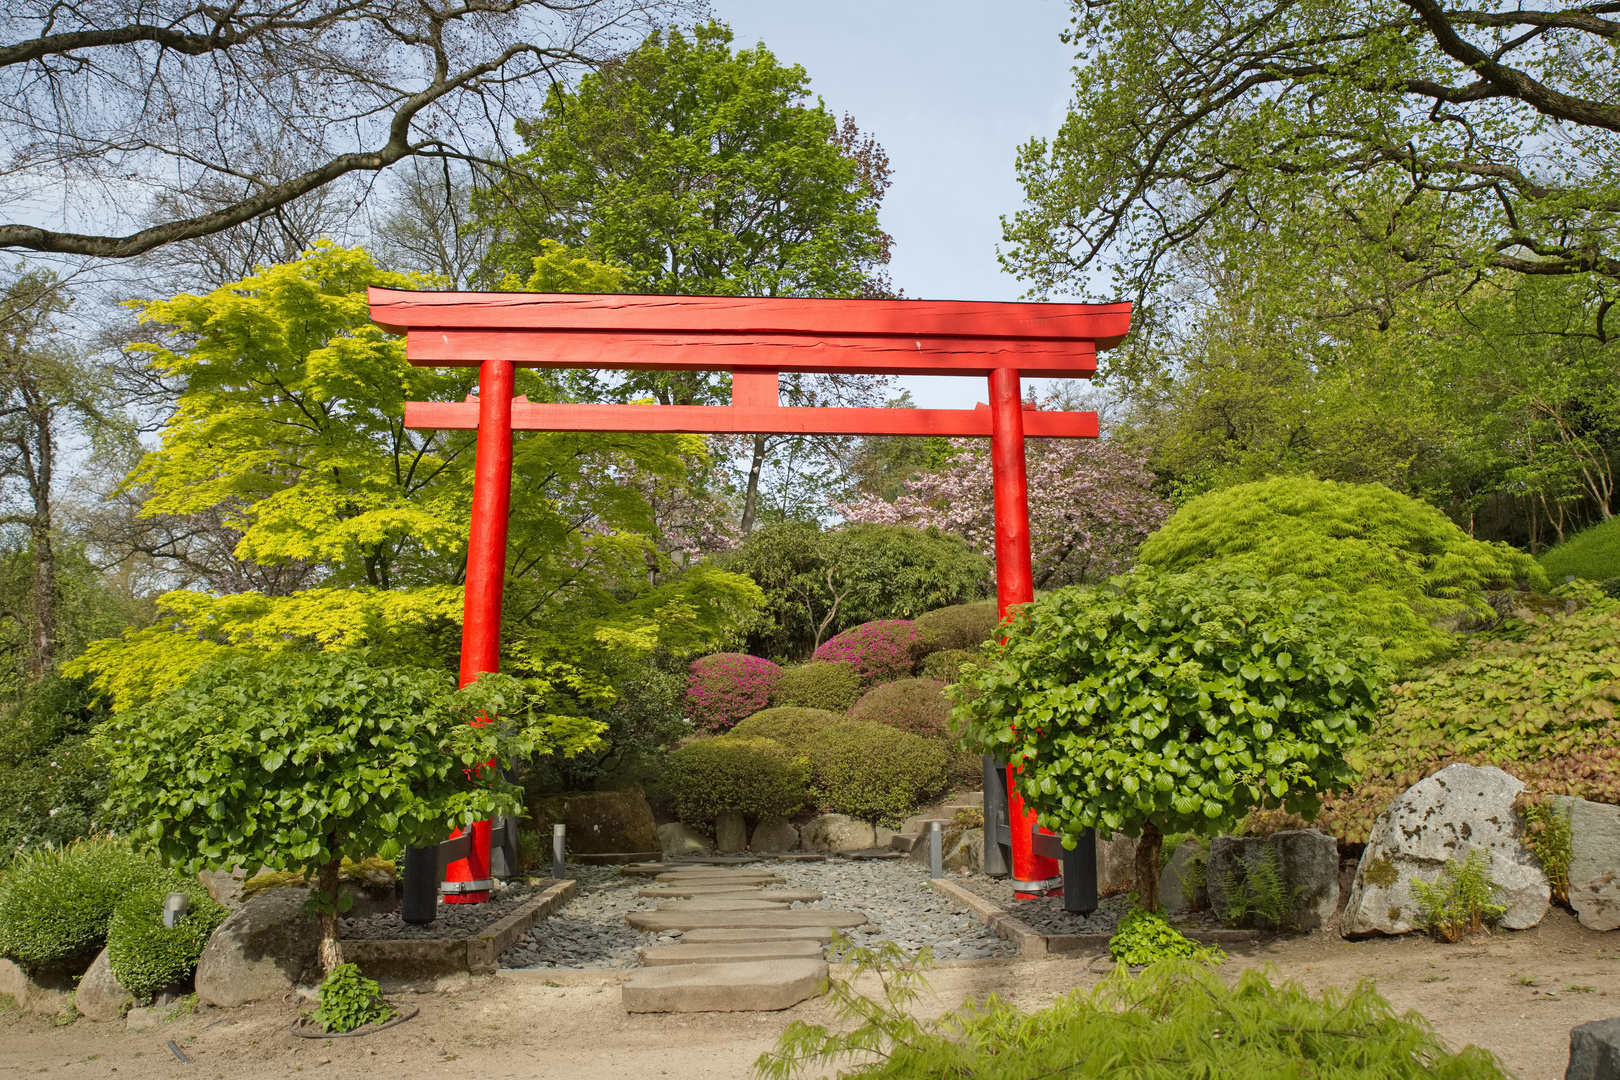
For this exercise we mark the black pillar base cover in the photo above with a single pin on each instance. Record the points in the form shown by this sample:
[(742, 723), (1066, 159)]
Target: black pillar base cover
[(419, 900)]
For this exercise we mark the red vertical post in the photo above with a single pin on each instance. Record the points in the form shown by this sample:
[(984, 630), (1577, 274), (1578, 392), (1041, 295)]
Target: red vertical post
[(486, 582), (1015, 584)]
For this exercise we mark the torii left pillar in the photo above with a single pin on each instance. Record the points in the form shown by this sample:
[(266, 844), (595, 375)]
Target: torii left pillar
[(467, 881)]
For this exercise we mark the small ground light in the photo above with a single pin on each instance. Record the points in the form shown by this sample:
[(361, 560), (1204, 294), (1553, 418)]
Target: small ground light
[(174, 908), (936, 842), (559, 849)]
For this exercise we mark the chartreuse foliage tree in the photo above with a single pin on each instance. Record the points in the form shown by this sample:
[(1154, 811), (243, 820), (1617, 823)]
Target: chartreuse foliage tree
[(295, 760), (290, 425), (1400, 563), (1163, 702)]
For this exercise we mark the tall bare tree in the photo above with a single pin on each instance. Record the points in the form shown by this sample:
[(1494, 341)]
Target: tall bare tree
[(110, 109)]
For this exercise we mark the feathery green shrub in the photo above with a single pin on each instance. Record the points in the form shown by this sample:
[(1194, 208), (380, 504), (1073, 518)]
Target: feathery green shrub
[(820, 684), (1592, 553), (1401, 563)]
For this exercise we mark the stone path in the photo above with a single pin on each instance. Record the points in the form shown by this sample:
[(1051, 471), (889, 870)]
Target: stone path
[(744, 947)]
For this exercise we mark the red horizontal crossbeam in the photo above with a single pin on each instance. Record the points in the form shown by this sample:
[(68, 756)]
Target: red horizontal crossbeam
[(709, 333), (748, 420)]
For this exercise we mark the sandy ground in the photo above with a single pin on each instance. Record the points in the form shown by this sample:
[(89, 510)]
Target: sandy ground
[(1514, 994)]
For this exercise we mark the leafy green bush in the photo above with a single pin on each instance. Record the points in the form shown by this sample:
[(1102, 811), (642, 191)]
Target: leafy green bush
[(793, 728), (147, 957), (946, 665), (1538, 700), (1143, 937), (821, 684), (1460, 901), (1173, 702), (52, 782), (349, 1000), (1401, 564), (1591, 553), (875, 772), (1178, 1019), (55, 905), (961, 626), (755, 777)]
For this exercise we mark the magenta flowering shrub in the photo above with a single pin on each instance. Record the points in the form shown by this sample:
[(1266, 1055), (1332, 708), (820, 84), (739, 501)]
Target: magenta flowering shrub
[(878, 651), (723, 688)]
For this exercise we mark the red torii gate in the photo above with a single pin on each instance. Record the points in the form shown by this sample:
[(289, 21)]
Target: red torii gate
[(754, 338)]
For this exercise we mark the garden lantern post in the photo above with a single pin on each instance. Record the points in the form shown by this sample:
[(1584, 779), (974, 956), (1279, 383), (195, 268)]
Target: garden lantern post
[(755, 339)]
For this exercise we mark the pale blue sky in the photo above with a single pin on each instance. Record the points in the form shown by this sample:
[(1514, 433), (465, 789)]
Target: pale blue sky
[(950, 88)]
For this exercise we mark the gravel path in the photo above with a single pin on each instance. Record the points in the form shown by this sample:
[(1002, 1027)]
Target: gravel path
[(590, 931), (454, 920)]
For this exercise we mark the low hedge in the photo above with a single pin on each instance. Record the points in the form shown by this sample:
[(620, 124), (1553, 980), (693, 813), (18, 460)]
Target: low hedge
[(147, 957), (878, 651), (961, 626), (723, 688), (875, 772), (55, 905), (820, 684), (748, 775), (793, 728)]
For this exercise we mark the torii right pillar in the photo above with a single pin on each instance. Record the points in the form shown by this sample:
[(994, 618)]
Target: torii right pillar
[(1032, 875)]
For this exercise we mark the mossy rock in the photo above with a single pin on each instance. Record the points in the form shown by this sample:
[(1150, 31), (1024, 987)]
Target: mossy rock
[(599, 822)]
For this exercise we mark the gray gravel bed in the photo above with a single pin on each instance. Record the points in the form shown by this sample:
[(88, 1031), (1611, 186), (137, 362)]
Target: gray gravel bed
[(590, 931), (1046, 913), (453, 921)]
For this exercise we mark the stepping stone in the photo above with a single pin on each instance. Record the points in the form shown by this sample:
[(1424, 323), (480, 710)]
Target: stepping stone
[(716, 860), (722, 879), (800, 857), (731, 952), (757, 986), (724, 935), (720, 903), (873, 853), (677, 889), (647, 868), (698, 892), (743, 920)]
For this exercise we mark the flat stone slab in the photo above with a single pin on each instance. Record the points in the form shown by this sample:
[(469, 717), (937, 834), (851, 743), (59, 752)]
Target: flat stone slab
[(720, 903), (757, 986), (728, 935), (675, 888), (731, 952), (682, 878), (743, 920), (799, 856), (705, 892)]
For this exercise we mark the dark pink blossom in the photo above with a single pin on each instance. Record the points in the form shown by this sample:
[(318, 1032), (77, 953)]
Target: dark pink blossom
[(723, 688), (878, 651)]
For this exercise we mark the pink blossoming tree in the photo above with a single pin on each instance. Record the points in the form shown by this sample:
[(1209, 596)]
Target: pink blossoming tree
[(1090, 504)]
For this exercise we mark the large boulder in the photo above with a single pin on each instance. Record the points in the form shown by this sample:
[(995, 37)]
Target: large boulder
[(263, 949), (47, 996), (963, 849), (837, 832), (676, 839), (1307, 860), (774, 834), (1116, 862), (224, 886), (1445, 816), (1594, 865), (600, 822), (100, 996)]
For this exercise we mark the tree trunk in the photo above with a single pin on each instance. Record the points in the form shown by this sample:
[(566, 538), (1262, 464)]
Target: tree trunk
[(1145, 874), (331, 951), (42, 656), (751, 500)]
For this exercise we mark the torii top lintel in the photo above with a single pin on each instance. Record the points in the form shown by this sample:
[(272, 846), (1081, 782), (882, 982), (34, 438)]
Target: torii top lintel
[(719, 333)]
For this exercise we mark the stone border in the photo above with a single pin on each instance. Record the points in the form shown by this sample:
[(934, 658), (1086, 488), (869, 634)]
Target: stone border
[(416, 963), (1031, 942)]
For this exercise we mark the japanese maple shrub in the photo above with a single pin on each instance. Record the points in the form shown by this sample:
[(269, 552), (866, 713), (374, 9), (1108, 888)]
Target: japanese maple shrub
[(723, 688), (296, 760), (1173, 703), (878, 651)]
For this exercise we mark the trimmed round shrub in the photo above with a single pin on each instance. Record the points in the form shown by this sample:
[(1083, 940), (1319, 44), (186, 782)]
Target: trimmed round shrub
[(878, 651), (147, 957), (55, 904), (793, 728), (723, 688), (1592, 553), (961, 626), (875, 772), (946, 665), (751, 776), (820, 684), (915, 705)]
